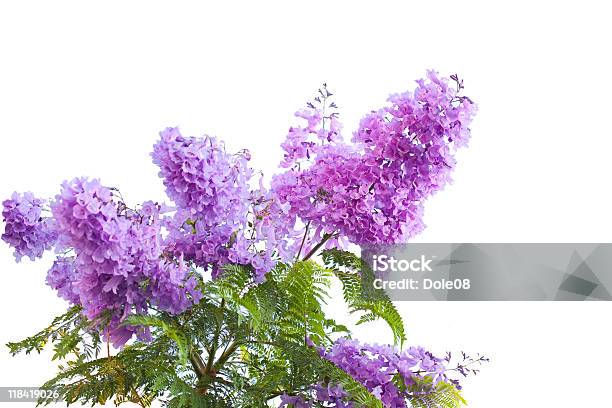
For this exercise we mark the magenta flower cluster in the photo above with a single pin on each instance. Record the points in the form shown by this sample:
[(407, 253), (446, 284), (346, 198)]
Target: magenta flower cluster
[(219, 218), (333, 396), (62, 277), (383, 369), (372, 191), (27, 230), (119, 268), (202, 178)]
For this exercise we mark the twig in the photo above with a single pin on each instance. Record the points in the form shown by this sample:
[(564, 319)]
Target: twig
[(303, 240), (325, 238)]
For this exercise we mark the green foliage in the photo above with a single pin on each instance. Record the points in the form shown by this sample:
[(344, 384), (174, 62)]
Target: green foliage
[(443, 395), (69, 333), (168, 327), (359, 293), (243, 345)]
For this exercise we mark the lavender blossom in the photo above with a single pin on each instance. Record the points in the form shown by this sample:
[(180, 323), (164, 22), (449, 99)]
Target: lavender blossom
[(118, 257), (220, 219), (26, 229), (61, 277), (385, 370), (372, 191)]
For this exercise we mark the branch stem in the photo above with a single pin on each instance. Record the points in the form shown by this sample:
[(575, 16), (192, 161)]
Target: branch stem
[(303, 241), (314, 250), (198, 364)]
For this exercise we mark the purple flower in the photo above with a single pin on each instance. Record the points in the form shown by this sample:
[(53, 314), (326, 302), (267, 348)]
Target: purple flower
[(220, 219), (334, 395), (61, 277), (202, 178), (26, 230), (294, 401), (118, 265), (377, 368), (372, 191)]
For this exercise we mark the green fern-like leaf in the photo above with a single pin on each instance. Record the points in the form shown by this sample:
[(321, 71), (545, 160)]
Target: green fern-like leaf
[(359, 293), (168, 327), (444, 395), (56, 330)]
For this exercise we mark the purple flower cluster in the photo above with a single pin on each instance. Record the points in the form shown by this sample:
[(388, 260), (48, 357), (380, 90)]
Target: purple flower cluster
[(302, 142), (119, 267), (333, 396), (372, 191), (202, 178), (26, 230), (294, 401), (219, 219), (62, 277), (383, 369)]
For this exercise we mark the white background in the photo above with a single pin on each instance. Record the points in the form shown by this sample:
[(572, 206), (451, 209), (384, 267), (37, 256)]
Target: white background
[(85, 88)]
